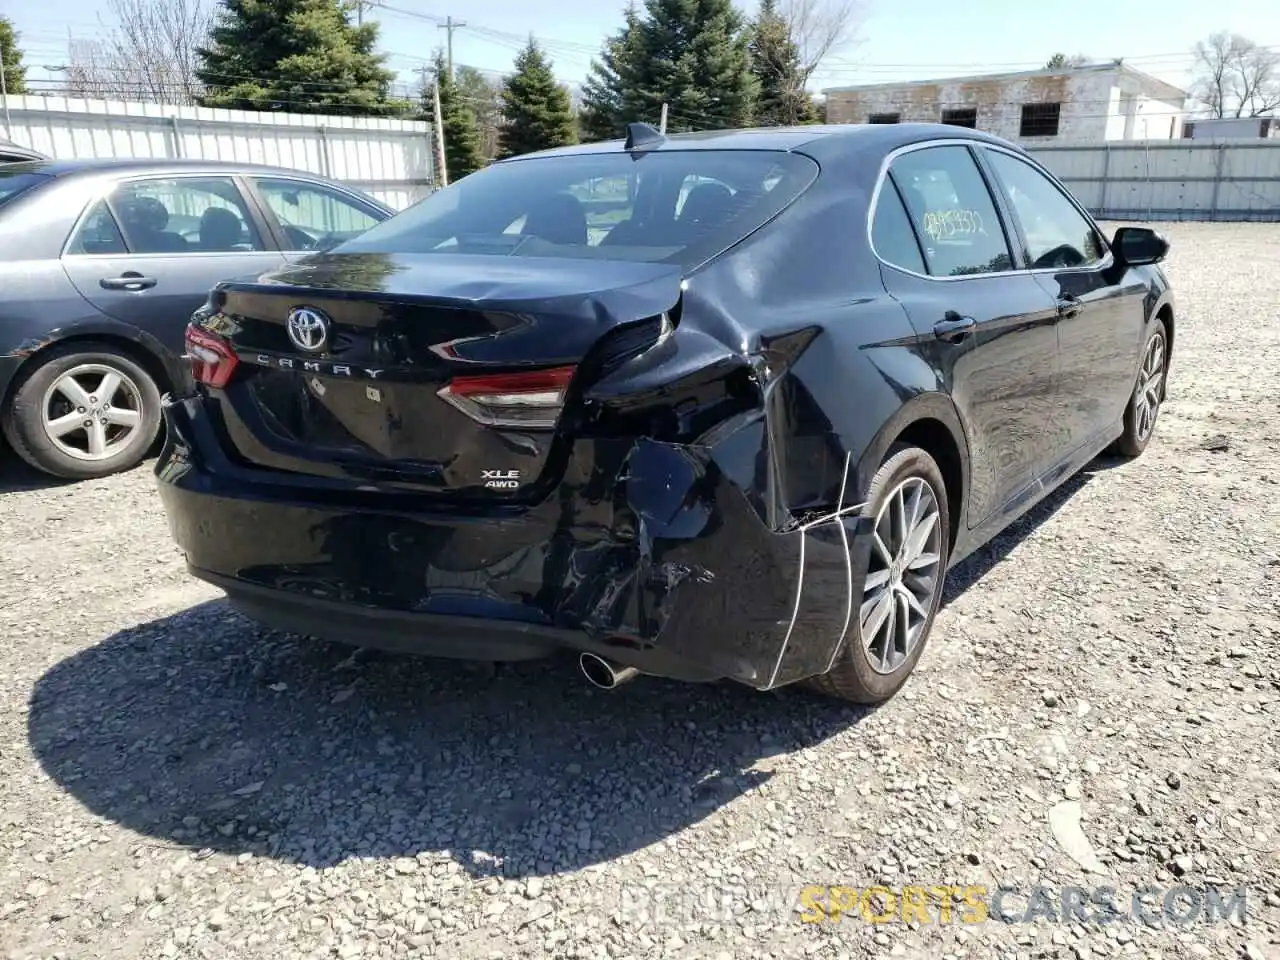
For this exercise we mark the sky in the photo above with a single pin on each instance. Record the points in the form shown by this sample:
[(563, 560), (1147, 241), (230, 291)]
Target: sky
[(896, 40)]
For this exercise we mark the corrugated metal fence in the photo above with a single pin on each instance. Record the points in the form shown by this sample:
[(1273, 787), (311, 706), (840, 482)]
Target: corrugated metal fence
[(1178, 180), (390, 159)]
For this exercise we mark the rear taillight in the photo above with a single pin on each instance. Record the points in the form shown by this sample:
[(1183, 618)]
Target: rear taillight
[(211, 357), (532, 400)]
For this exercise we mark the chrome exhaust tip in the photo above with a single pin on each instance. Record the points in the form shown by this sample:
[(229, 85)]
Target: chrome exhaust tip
[(603, 673)]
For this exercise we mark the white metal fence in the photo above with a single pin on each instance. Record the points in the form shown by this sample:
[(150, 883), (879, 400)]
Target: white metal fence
[(1171, 180), (390, 159)]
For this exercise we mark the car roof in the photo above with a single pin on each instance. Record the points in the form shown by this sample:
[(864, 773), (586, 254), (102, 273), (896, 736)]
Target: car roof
[(859, 136), (85, 167)]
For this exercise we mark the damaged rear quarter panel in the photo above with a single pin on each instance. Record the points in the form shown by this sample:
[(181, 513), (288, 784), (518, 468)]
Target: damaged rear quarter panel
[(747, 525)]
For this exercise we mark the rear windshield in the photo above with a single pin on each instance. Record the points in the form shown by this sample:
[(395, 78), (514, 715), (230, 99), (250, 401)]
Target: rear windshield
[(667, 206), (13, 183)]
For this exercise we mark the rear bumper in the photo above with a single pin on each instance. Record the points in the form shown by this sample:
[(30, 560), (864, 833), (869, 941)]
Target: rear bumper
[(647, 553)]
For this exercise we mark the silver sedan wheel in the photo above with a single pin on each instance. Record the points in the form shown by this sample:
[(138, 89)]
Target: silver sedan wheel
[(904, 574), (1148, 394), (92, 412)]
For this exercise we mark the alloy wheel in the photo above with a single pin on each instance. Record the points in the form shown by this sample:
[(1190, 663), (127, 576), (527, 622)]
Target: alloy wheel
[(904, 574), (92, 412), (1147, 395)]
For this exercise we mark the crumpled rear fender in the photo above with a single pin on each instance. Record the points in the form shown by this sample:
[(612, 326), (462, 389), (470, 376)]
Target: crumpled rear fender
[(728, 567)]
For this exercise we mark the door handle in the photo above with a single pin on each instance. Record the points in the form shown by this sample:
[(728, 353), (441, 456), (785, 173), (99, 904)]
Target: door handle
[(954, 328), (127, 281), (1068, 307)]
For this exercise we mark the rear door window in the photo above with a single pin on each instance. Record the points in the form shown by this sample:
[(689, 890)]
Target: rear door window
[(952, 211), (98, 234), (892, 235), (185, 215)]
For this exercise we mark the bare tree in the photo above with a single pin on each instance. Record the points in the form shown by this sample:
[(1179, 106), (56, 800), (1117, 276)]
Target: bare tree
[(149, 54), (820, 27), (1236, 77)]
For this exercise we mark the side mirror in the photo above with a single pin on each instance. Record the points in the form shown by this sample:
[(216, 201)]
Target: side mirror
[(1136, 246)]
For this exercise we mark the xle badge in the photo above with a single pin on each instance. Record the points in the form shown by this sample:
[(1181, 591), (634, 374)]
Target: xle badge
[(501, 479)]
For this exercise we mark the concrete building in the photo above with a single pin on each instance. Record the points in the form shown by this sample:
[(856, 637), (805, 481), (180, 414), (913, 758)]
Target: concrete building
[(1104, 101)]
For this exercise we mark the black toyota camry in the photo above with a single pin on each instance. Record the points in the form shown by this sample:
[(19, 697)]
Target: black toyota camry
[(708, 406)]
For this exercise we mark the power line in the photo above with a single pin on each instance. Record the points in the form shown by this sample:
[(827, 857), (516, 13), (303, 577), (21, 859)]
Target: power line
[(832, 68)]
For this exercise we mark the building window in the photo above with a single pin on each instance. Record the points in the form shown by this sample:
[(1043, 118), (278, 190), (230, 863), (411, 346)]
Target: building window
[(884, 118), (961, 118), (1040, 119)]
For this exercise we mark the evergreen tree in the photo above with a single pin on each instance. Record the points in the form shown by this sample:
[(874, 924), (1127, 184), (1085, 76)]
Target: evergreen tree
[(300, 56), (689, 54), (608, 95), (15, 74), (483, 97), (776, 66), (462, 153), (694, 58), (535, 106)]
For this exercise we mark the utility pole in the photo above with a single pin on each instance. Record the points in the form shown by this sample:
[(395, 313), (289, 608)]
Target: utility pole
[(437, 132), (444, 165), (450, 25), (4, 95), (662, 124)]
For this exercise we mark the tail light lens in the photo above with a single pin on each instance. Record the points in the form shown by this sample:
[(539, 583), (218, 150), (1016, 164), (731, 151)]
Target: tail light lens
[(530, 400), (212, 359)]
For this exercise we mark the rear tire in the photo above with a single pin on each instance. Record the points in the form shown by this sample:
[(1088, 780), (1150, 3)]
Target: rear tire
[(1143, 408), (899, 570), (58, 422)]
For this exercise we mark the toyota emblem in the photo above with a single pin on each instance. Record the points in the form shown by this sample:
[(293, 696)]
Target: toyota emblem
[(308, 328)]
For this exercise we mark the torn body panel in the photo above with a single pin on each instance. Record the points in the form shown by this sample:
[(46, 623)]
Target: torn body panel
[(679, 551)]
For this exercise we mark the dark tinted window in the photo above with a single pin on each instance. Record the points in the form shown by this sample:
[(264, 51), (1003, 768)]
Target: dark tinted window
[(98, 233), (961, 118), (891, 232), (666, 206), (13, 183), (1057, 235), (952, 211), (1040, 120)]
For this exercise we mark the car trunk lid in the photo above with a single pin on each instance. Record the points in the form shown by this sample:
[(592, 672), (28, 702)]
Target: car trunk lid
[(450, 373)]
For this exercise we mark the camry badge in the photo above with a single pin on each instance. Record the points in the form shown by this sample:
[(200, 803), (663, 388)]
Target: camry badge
[(308, 328)]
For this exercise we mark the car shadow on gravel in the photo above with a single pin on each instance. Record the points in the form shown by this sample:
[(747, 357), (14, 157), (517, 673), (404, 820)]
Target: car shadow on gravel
[(978, 564), (17, 476), (207, 731)]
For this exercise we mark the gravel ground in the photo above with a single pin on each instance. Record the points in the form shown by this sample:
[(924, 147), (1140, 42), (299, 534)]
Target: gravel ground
[(176, 783)]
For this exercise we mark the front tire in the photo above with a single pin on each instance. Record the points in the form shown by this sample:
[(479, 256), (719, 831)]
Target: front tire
[(899, 571), (1148, 395), (87, 410)]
